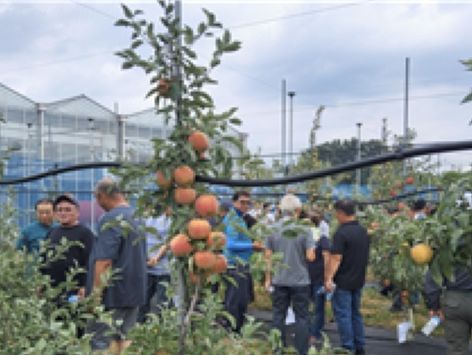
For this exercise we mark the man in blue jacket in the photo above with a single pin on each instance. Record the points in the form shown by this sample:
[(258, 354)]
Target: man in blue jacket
[(239, 248)]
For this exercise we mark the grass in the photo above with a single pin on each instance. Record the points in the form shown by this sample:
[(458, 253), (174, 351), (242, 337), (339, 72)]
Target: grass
[(376, 313)]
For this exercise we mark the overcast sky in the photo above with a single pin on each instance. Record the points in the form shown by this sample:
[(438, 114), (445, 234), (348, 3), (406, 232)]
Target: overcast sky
[(349, 56)]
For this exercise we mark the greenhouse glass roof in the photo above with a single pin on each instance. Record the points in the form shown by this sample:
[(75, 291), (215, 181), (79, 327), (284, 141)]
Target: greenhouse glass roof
[(80, 106), (11, 98)]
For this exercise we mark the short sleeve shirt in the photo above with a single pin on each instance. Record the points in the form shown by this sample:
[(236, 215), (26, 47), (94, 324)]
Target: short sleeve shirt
[(121, 240), (161, 225), (316, 267), (294, 271), (352, 242)]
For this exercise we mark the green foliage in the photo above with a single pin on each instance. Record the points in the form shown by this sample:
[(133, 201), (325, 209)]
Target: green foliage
[(8, 227), (166, 51), (207, 336), (386, 180), (254, 168), (33, 321), (392, 241), (175, 64), (449, 231), (327, 349), (339, 152), (468, 98)]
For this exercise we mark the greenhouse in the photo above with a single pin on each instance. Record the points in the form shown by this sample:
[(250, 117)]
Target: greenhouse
[(36, 137)]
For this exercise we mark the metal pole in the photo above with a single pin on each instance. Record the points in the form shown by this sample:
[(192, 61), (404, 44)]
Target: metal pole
[(120, 133), (92, 175), (405, 110), (41, 110), (284, 124), (291, 94), (177, 68), (28, 169), (358, 171)]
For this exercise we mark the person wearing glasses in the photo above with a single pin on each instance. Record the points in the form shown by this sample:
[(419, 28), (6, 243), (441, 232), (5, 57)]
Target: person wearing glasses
[(32, 236), (77, 254), (238, 250)]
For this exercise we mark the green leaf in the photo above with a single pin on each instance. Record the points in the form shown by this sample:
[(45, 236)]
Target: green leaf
[(188, 35), (127, 65), (218, 45), (210, 17), (215, 62), (203, 96), (122, 22), (232, 47), (189, 52), (201, 28), (467, 63), (446, 262), (122, 55), (235, 121), (235, 141), (127, 11), (466, 99), (169, 8), (226, 37), (136, 44), (151, 92)]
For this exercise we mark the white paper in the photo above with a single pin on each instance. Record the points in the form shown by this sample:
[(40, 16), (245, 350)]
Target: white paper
[(290, 316), (402, 331)]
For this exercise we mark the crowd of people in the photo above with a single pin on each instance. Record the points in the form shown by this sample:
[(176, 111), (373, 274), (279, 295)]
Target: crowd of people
[(316, 266)]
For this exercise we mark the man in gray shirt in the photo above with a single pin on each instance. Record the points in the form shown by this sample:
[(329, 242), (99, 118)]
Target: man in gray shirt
[(291, 281), (120, 248)]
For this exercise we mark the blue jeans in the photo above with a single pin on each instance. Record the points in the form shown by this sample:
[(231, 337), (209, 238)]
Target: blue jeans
[(319, 319), (346, 307), (299, 297)]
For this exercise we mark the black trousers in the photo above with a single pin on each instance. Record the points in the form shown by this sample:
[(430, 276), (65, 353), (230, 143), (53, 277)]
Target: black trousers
[(298, 297), (239, 294), (156, 287)]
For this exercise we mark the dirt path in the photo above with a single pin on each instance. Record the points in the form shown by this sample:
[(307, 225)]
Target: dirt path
[(379, 341)]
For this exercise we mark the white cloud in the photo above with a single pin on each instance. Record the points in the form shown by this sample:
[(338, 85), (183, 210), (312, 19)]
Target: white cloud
[(351, 54)]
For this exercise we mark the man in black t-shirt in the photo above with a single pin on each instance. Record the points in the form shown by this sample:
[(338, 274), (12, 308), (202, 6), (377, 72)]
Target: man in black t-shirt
[(77, 254), (346, 275)]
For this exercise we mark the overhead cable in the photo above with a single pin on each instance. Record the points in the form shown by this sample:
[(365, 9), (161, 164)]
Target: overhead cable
[(397, 155)]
